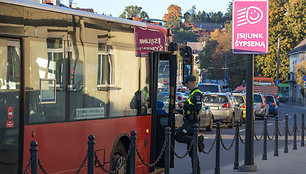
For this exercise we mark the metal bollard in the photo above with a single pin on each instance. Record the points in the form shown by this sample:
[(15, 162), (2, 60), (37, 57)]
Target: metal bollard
[(218, 139), (237, 135), (302, 135), (195, 148), (91, 144), (276, 136), (167, 150), (264, 155), (133, 153), (294, 131), (286, 134), (33, 153)]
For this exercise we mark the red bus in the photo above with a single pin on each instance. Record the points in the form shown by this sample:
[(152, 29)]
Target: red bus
[(66, 74)]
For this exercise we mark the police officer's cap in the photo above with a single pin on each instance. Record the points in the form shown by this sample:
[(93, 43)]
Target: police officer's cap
[(189, 78)]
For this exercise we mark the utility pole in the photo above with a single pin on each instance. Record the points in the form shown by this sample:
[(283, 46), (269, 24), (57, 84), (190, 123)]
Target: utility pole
[(278, 50)]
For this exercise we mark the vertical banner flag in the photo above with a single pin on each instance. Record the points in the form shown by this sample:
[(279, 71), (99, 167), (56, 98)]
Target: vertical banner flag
[(250, 33), (148, 39)]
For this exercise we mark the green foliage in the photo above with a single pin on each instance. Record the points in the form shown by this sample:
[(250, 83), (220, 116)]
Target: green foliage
[(211, 17), (287, 21), (133, 11), (183, 37), (206, 55)]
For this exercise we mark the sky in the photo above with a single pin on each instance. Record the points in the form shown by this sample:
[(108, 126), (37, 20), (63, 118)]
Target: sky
[(155, 8)]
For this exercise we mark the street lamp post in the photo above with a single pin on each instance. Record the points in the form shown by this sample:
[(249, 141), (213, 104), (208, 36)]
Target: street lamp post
[(278, 50)]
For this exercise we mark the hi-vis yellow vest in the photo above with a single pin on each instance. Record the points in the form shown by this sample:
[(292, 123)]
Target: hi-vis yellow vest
[(189, 102)]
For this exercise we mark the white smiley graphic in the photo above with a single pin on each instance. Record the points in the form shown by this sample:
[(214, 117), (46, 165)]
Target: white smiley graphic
[(251, 15), (254, 15)]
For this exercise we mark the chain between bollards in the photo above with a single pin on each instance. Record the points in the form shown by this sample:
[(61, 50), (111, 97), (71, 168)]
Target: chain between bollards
[(217, 168), (294, 133), (303, 128), (167, 150), (276, 136), (195, 149), (237, 135), (264, 155), (286, 134)]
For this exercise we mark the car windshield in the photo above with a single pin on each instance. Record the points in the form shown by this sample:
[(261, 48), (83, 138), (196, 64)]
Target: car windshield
[(239, 99), (270, 99), (215, 99), (257, 99), (210, 88)]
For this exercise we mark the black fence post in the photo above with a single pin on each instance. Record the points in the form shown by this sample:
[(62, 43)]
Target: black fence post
[(195, 149), (167, 150), (294, 131), (302, 135), (133, 153), (33, 152), (237, 135), (264, 155), (276, 136), (91, 144), (218, 139), (286, 134)]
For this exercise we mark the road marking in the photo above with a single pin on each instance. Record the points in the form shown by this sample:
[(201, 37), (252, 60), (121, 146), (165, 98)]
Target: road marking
[(270, 124)]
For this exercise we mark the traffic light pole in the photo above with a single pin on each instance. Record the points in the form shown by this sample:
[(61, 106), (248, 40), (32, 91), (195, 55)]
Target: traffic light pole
[(249, 165)]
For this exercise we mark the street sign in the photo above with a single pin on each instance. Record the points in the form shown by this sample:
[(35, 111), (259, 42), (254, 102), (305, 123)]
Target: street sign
[(304, 78), (277, 82), (250, 27)]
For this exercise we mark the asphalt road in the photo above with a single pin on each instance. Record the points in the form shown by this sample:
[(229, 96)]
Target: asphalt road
[(208, 161)]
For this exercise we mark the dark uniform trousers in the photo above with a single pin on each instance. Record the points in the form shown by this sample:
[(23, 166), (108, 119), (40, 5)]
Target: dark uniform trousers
[(184, 134)]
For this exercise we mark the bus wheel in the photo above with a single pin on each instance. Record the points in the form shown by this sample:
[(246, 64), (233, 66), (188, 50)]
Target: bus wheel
[(118, 159)]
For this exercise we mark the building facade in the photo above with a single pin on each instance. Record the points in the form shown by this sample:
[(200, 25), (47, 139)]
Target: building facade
[(297, 93)]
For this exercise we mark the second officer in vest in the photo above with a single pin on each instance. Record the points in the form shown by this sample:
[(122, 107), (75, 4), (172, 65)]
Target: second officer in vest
[(191, 111)]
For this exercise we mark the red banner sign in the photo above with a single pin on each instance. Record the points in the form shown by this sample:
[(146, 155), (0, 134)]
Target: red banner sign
[(148, 39)]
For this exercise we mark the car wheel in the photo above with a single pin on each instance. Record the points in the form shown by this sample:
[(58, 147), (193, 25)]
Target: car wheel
[(211, 122), (118, 158), (232, 122)]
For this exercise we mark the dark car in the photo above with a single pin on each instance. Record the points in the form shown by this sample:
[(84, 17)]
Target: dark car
[(273, 106)]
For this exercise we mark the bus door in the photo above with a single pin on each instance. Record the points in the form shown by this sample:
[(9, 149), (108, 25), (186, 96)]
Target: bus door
[(163, 87), (10, 97)]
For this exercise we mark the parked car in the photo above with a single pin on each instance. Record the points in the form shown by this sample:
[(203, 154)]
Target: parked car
[(273, 104), (260, 105), (224, 107), (210, 87), (283, 97), (206, 119)]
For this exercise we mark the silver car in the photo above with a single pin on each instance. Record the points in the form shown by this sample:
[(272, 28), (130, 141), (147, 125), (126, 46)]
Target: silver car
[(206, 119), (261, 106), (224, 107)]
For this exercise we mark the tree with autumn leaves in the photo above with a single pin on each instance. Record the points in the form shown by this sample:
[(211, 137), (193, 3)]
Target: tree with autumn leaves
[(216, 51), (300, 71), (173, 17), (287, 21)]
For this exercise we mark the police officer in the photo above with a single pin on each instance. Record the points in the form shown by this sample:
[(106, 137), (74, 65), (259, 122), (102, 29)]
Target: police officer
[(191, 111)]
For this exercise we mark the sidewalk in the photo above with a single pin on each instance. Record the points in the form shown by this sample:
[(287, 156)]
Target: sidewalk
[(294, 105), (286, 163)]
